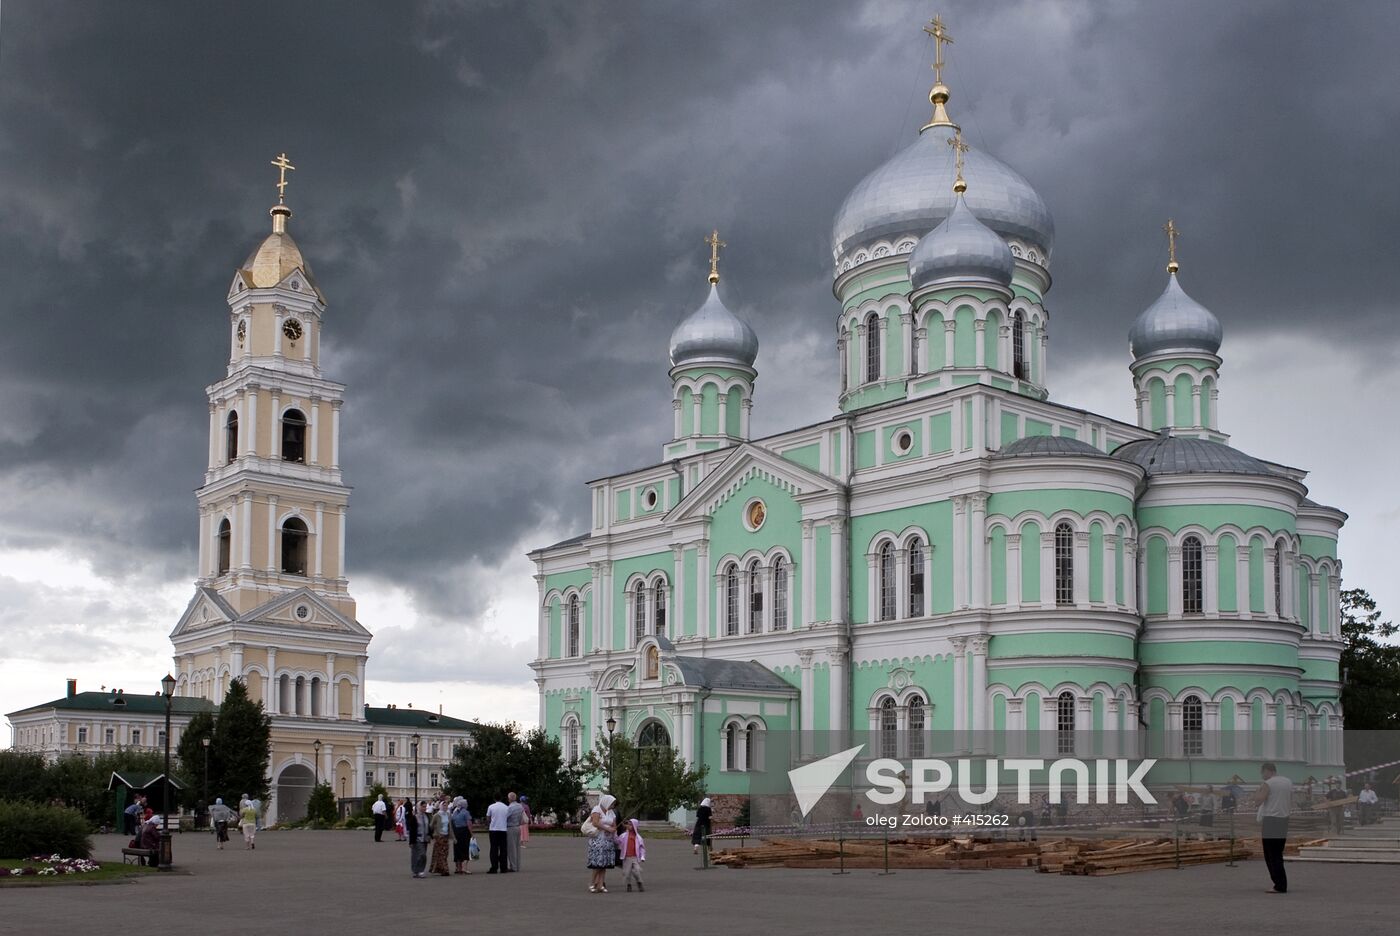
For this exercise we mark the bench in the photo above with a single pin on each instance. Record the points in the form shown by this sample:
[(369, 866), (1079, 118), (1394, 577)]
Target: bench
[(135, 855)]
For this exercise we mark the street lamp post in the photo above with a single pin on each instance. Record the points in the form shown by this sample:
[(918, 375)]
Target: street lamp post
[(204, 743), (612, 726), (168, 686), (416, 738), (317, 765)]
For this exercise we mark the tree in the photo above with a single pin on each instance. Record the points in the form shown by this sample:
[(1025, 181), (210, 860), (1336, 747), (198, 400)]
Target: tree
[(21, 775), (1370, 667), (192, 757), (647, 781), (320, 808), (500, 759), (241, 747)]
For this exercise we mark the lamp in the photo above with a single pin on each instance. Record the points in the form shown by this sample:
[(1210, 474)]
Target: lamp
[(167, 686), (416, 738), (612, 725), (317, 765), (204, 743)]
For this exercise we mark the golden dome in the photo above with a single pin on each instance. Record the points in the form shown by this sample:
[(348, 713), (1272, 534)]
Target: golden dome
[(276, 258)]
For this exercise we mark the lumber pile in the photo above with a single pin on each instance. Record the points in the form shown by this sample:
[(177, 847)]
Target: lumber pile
[(1074, 856)]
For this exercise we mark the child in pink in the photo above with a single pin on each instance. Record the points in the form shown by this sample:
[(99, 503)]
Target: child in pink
[(633, 849)]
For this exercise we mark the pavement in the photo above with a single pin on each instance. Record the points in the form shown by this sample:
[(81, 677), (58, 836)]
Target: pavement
[(343, 884)]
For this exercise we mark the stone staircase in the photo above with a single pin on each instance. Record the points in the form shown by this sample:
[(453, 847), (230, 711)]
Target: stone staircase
[(1378, 843)]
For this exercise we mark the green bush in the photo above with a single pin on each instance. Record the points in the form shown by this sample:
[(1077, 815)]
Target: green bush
[(321, 806), (29, 829)]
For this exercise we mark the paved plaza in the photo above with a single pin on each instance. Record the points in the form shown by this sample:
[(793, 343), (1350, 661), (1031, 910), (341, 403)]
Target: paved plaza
[(290, 881)]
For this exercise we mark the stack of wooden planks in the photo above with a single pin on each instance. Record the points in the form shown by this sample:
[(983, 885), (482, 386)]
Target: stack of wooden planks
[(1080, 856)]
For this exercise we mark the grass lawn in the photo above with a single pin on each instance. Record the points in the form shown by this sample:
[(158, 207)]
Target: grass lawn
[(111, 871)]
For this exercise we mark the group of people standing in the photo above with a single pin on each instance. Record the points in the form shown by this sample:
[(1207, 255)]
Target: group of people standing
[(446, 823), (246, 818)]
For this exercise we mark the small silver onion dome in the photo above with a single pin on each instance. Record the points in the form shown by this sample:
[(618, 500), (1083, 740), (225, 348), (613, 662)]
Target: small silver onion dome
[(961, 250), (1175, 322), (913, 192), (713, 334)]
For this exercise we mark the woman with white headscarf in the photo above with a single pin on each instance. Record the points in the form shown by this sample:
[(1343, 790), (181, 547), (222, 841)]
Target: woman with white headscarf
[(602, 842), (702, 825)]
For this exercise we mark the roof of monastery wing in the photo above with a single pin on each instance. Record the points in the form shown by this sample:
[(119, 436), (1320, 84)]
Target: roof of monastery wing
[(729, 674), (414, 718), (571, 541), (1174, 455), (1049, 445), (137, 703)]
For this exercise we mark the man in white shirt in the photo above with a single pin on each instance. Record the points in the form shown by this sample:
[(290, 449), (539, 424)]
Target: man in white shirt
[(496, 822), (1367, 799), (1275, 800), (381, 817)]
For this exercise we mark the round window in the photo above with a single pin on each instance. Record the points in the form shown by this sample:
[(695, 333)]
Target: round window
[(903, 441), (754, 514), (303, 612), (649, 498)]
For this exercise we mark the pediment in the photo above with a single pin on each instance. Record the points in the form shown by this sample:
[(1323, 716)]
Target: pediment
[(206, 609), (303, 609), (749, 461)]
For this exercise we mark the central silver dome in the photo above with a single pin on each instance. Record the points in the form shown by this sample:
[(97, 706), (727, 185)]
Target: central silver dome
[(961, 250), (1175, 322), (913, 193), (713, 334)]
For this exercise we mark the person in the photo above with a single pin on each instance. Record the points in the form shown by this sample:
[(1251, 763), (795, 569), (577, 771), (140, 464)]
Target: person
[(257, 812), (1229, 801), (248, 819), (496, 832), (416, 828), (1208, 806), (1275, 799), (633, 849), (525, 819), (400, 821), (461, 835), (1180, 806), (703, 817), (131, 816), (515, 815), (859, 814), (221, 816), (381, 817), (1368, 801), (150, 838), (1334, 813), (602, 843), (442, 837), (1062, 809), (1026, 821)]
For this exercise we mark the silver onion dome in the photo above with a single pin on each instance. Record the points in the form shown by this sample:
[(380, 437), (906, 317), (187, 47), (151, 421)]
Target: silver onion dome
[(961, 250), (713, 334), (1175, 322), (913, 193)]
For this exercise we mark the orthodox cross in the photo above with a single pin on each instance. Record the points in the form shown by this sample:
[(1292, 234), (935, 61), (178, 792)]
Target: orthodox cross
[(715, 244), (939, 32), (959, 147), (1172, 233), (282, 166)]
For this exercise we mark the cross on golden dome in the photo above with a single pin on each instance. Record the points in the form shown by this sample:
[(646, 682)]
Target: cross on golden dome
[(715, 244), (939, 32), (959, 147), (282, 166), (1172, 233)]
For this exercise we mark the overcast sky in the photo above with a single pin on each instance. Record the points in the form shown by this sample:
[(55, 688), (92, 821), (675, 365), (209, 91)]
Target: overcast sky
[(504, 204)]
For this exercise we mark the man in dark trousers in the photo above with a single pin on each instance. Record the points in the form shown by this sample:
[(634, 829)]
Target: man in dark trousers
[(496, 824), (381, 817), (1275, 801)]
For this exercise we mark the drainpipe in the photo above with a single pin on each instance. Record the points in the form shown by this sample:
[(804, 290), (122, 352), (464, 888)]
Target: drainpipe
[(848, 449)]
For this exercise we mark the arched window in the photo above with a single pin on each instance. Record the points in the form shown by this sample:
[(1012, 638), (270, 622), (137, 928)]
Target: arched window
[(1192, 727), (658, 598), (294, 537), (225, 545), (1064, 723), (731, 747), (1191, 577), (872, 348), (231, 438), (1278, 579), (571, 745), (639, 612), (889, 728), (916, 578), (753, 735), (573, 626), (780, 594), (731, 600), (293, 436), (1018, 345), (653, 663), (887, 582), (1064, 564), (916, 727), (755, 598), (654, 735)]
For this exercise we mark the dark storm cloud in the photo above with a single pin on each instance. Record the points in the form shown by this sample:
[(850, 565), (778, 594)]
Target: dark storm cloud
[(504, 205)]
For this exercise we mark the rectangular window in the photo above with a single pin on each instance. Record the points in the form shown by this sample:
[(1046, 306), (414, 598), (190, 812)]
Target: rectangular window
[(433, 779), (393, 748), (160, 738), (435, 751), (135, 737), (393, 778), (369, 748), (82, 736), (109, 736), (369, 779)]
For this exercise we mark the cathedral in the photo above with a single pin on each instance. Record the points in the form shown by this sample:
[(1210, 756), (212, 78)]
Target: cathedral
[(954, 562), (271, 605)]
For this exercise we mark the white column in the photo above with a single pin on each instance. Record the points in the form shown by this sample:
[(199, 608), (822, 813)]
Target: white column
[(1040, 347), (993, 433), (1210, 584), (1196, 405), (1112, 740), (978, 551), (840, 721), (1174, 582), (206, 550), (272, 698), (1241, 561), (594, 626), (808, 712), (961, 716), (249, 426), (960, 550), (1015, 727), (676, 418), (1013, 571), (330, 706), (840, 567), (1270, 558), (1081, 569), (886, 365), (809, 578), (1273, 748), (272, 531), (702, 594), (901, 584), (745, 413), (1174, 725), (1047, 569), (359, 783), (687, 726), (276, 415), (1144, 409), (1083, 725), (340, 546), (215, 443), (313, 427), (979, 326), (335, 433), (359, 712), (950, 329), (695, 402), (320, 525), (281, 314), (1110, 569), (981, 727), (1334, 601), (246, 534), (723, 424), (906, 326), (1130, 573), (235, 661)]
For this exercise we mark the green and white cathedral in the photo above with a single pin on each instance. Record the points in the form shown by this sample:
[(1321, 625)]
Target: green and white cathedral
[(954, 562)]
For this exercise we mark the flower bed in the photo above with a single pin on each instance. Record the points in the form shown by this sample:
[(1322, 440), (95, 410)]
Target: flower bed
[(51, 866)]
